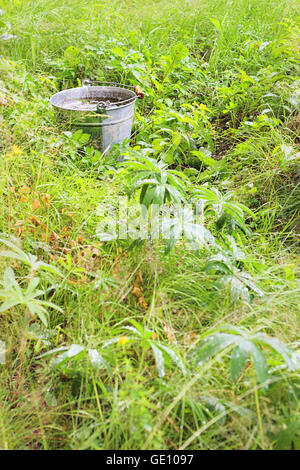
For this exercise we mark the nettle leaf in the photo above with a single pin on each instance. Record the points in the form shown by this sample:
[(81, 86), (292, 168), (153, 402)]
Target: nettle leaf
[(80, 138)]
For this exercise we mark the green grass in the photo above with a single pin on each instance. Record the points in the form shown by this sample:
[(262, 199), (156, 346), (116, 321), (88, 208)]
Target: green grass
[(238, 58)]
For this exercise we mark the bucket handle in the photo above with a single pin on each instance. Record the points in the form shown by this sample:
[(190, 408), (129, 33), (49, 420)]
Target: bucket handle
[(137, 89)]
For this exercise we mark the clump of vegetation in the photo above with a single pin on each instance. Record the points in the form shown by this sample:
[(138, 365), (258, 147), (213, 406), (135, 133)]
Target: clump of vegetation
[(187, 342)]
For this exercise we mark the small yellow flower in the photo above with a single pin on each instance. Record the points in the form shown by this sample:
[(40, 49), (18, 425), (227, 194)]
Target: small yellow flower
[(203, 108), (15, 151), (122, 340)]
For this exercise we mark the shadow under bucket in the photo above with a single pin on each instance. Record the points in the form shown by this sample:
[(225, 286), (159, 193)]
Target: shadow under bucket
[(104, 112)]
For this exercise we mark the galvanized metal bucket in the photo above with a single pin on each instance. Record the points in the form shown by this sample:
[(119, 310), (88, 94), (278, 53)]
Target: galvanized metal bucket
[(104, 112)]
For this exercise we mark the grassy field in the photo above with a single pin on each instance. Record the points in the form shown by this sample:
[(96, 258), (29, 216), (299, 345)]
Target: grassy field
[(145, 345)]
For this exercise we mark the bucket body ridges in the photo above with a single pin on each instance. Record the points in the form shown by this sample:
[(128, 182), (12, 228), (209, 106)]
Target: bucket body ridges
[(85, 108)]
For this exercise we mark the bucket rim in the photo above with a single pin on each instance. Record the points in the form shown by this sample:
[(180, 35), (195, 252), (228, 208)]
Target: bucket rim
[(120, 106)]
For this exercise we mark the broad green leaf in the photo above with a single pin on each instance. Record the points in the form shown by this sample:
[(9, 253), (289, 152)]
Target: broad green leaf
[(216, 23), (42, 317), (213, 407), (50, 304), (134, 330), (50, 268), (238, 330), (173, 356), (73, 351), (216, 265), (32, 295), (138, 327), (199, 234), (237, 288), (176, 196), (160, 194), (278, 346), (53, 351), (36, 309), (13, 246), (33, 285), (8, 304), (239, 357), (149, 195), (246, 279), (145, 181), (211, 345), (204, 157), (97, 361), (9, 277), (28, 259), (260, 363), (11, 254), (289, 437)]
